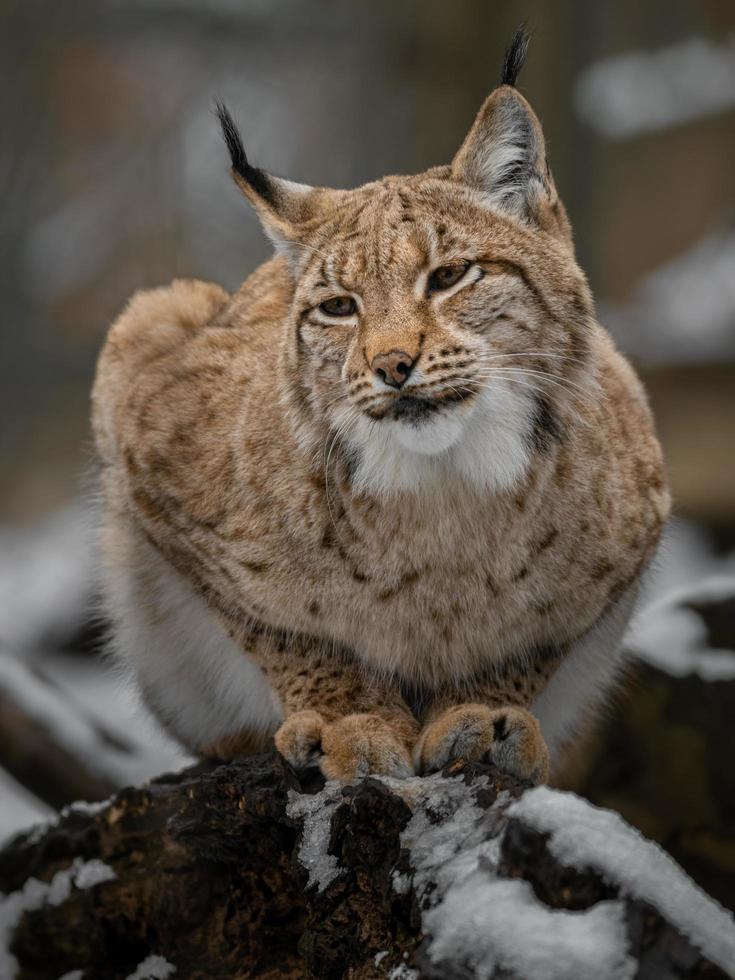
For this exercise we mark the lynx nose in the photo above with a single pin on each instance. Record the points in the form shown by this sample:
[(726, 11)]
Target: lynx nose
[(393, 367)]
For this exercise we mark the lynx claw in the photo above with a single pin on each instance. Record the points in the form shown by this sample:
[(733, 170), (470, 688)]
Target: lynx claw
[(509, 737)]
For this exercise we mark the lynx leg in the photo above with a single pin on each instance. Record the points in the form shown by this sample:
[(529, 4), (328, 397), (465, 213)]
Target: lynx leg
[(338, 719), (524, 723), (224, 696)]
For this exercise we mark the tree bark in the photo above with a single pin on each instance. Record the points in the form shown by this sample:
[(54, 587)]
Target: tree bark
[(242, 871)]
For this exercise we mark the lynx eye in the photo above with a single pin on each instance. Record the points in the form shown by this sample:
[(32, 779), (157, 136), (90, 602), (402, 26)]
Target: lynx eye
[(447, 276), (339, 306)]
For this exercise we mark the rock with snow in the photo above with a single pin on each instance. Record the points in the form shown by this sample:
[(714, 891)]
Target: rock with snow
[(36, 895)]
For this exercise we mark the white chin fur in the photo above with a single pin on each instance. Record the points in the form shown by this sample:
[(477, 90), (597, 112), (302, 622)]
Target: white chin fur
[(485, 442), (429, 437)]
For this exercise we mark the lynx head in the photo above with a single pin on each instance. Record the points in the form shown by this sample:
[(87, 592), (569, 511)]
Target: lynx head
[(439, 320)]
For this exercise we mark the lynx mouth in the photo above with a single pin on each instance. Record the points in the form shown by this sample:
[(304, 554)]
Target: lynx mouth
[(417, 409), (410, 408)]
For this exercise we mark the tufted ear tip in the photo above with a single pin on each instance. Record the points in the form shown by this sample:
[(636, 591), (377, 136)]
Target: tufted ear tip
[(515, 56), (503, 156), (242, 170), (283, 207)]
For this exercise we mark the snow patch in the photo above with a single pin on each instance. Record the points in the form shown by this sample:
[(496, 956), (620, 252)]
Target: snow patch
[(673, 638), (85, 807), (35, 894), (316, 812), (402, 972), (472, 918), (494, 924), (584, 836), (91, 873), (19, 807), (35, 832), (475, 918), (71, 725), (452, 846), (153, 968), (401, 883)]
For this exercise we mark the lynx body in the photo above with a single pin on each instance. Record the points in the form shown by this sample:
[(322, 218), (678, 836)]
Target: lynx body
[(391, 501)]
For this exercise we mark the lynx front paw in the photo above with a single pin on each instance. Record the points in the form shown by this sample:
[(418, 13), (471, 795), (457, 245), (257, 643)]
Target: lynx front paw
[(509, 737), (299, 739), (347, 749), (358, 745)]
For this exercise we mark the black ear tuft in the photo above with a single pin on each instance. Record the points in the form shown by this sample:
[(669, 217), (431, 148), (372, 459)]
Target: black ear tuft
[(254, 176), (515, 56)]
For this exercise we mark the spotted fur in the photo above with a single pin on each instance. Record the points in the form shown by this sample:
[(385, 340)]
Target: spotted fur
[(429, 566)]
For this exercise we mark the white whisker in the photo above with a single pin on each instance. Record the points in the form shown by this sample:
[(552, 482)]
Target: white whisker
[(311, 248)]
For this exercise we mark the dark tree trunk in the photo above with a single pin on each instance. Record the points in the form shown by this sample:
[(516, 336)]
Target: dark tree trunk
[(227, 872)]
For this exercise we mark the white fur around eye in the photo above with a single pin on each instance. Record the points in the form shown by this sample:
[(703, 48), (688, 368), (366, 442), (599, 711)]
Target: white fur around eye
[(334, 321)]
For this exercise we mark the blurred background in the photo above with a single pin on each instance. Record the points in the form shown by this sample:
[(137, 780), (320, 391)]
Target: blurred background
[(113, 178)]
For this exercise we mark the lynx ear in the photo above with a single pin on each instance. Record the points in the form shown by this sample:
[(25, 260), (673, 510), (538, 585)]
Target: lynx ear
[(504, 155), (282, 206)]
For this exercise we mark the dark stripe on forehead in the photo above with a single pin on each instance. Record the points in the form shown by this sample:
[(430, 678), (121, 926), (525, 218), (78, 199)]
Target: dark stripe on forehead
[(375, 237), (323, 282), (353, 224), (406, 212), (340, 270)]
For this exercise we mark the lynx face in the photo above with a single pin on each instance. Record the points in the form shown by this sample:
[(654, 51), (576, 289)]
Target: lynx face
[(437, 319), (422, 335)]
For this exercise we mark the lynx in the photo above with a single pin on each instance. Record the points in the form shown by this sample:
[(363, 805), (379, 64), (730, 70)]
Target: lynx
[(390, 503)]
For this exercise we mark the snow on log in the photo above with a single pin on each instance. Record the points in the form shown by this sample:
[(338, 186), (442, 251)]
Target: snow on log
[(55, 748), (245, 870)]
